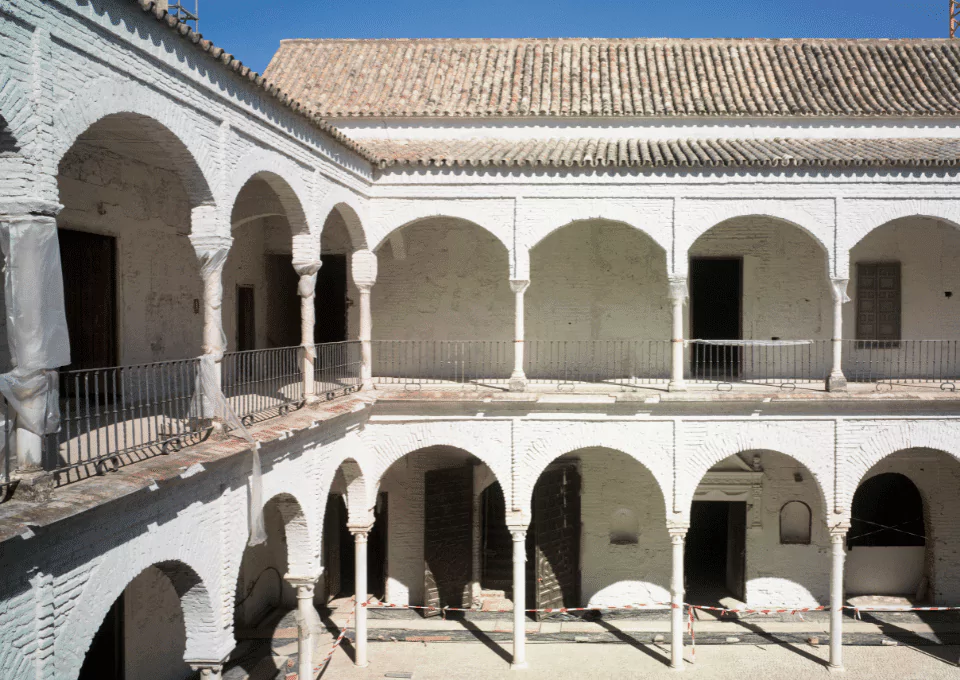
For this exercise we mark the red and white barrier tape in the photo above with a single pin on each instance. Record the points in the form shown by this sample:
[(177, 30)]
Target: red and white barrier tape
[(693, 638), (336, 643), (556, 610)]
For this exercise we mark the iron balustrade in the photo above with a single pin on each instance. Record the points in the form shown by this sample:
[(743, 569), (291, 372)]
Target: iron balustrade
[(337, 369), (263, 383), (415, 363), (9, 454), (564, 363), (903, 362), (783, 363), (618, 362), (112, 416)]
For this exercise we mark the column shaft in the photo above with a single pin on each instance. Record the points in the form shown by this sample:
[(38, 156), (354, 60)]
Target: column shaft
[(678, 295), (306, 289), (676, 600), (519, 599), (304, 632), (838, 555), (837, 382), (360, 581), (518, 379), (366, 331)]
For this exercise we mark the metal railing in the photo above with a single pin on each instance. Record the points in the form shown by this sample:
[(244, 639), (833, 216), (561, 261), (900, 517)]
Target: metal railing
[(9, 454), (433, 362), (783, 363), (263, 383), (903, 362), (111, 416), (337, 369), (618, 362)]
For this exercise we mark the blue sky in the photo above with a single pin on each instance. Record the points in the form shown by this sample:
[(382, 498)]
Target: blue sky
[(252, 30)]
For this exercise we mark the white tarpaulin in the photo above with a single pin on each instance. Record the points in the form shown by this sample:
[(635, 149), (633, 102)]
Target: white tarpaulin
[(750, 343), (36, 321)]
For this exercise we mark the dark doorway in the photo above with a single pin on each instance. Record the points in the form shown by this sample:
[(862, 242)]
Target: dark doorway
[(89, 265), (104, 660), (448, 537), (331, 300), (246, 321), (887, 511), (340, 555), (553, 541), (715, 556), (715, 314), (496, 548), (283, 310)]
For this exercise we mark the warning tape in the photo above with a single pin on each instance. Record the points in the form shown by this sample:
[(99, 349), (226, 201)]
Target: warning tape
[(343, 633), (693, 638), (555, 610)]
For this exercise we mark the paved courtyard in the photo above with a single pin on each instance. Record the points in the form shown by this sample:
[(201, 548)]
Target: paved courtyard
[(470, 660)]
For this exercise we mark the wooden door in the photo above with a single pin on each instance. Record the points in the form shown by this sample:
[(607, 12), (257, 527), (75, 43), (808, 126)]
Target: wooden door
[(89, 263), (448, 537), (737, 550), (556, 538)]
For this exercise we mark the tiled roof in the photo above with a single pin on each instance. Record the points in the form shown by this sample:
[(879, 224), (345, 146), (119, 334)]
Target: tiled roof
[(636, 77), (677, 153), (226, 59)]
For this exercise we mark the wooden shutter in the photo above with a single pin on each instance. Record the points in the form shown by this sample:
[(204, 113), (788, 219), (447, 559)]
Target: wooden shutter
[(878, 301)]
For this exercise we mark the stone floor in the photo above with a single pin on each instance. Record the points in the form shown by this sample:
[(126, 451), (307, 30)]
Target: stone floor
[(481, 642)]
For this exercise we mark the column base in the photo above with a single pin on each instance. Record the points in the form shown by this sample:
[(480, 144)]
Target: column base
[(518, 383), (677, 386), (519, 666), (836, 669), (836, 382)]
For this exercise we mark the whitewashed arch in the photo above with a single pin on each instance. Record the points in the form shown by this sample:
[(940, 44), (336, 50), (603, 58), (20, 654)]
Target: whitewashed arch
[(650, 444), (303, 545), (351, 209), (540, 218), (192, 574), (492, 215), (858, 218), (389, 443), (349, 458), (887, 438), (196, 158), (707, 443), (288, 182), (694, 218)]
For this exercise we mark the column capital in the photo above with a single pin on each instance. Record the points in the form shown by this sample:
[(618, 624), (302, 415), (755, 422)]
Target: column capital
[(678, 534), (519, 533), (302, 581), (838, 288), (838, 533), (209, 670), (360, 532), (678, 288), (28, 207), (519, 285), (210, 243), (364, 266), (307, 267)]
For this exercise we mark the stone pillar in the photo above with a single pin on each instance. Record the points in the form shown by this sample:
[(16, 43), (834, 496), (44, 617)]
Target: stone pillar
[(364, 276), (212, 252), (837, 382), (360, 556), (519, 598), (207, 670), (838, 537), (678, 295), (36, 323), (477, 543), (518, 380), (306, 289), (305, 615), (677, 538)]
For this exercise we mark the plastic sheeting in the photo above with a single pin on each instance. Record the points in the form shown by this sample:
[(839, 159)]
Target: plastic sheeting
[(36, 321), (209, 400), (306, 288), (750, 343)]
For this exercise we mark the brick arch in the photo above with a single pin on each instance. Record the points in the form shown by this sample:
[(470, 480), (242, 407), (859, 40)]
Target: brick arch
[(286, 179), (388, 449), (538, 456), (347, 459), (812, 449), (16, 111), (207, 636), (347, 204), (303, 548), (193, 155), (385, 222), (695, 221), (538, 228), (864, 220), (938, 435)]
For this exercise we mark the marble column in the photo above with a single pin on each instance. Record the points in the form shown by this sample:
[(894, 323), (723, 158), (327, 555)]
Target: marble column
[(519, 599), (360, 587), (837, 382), (364, 276), (518, 380), (838, 536), (677, 538), (306, 289), (678, 296)]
